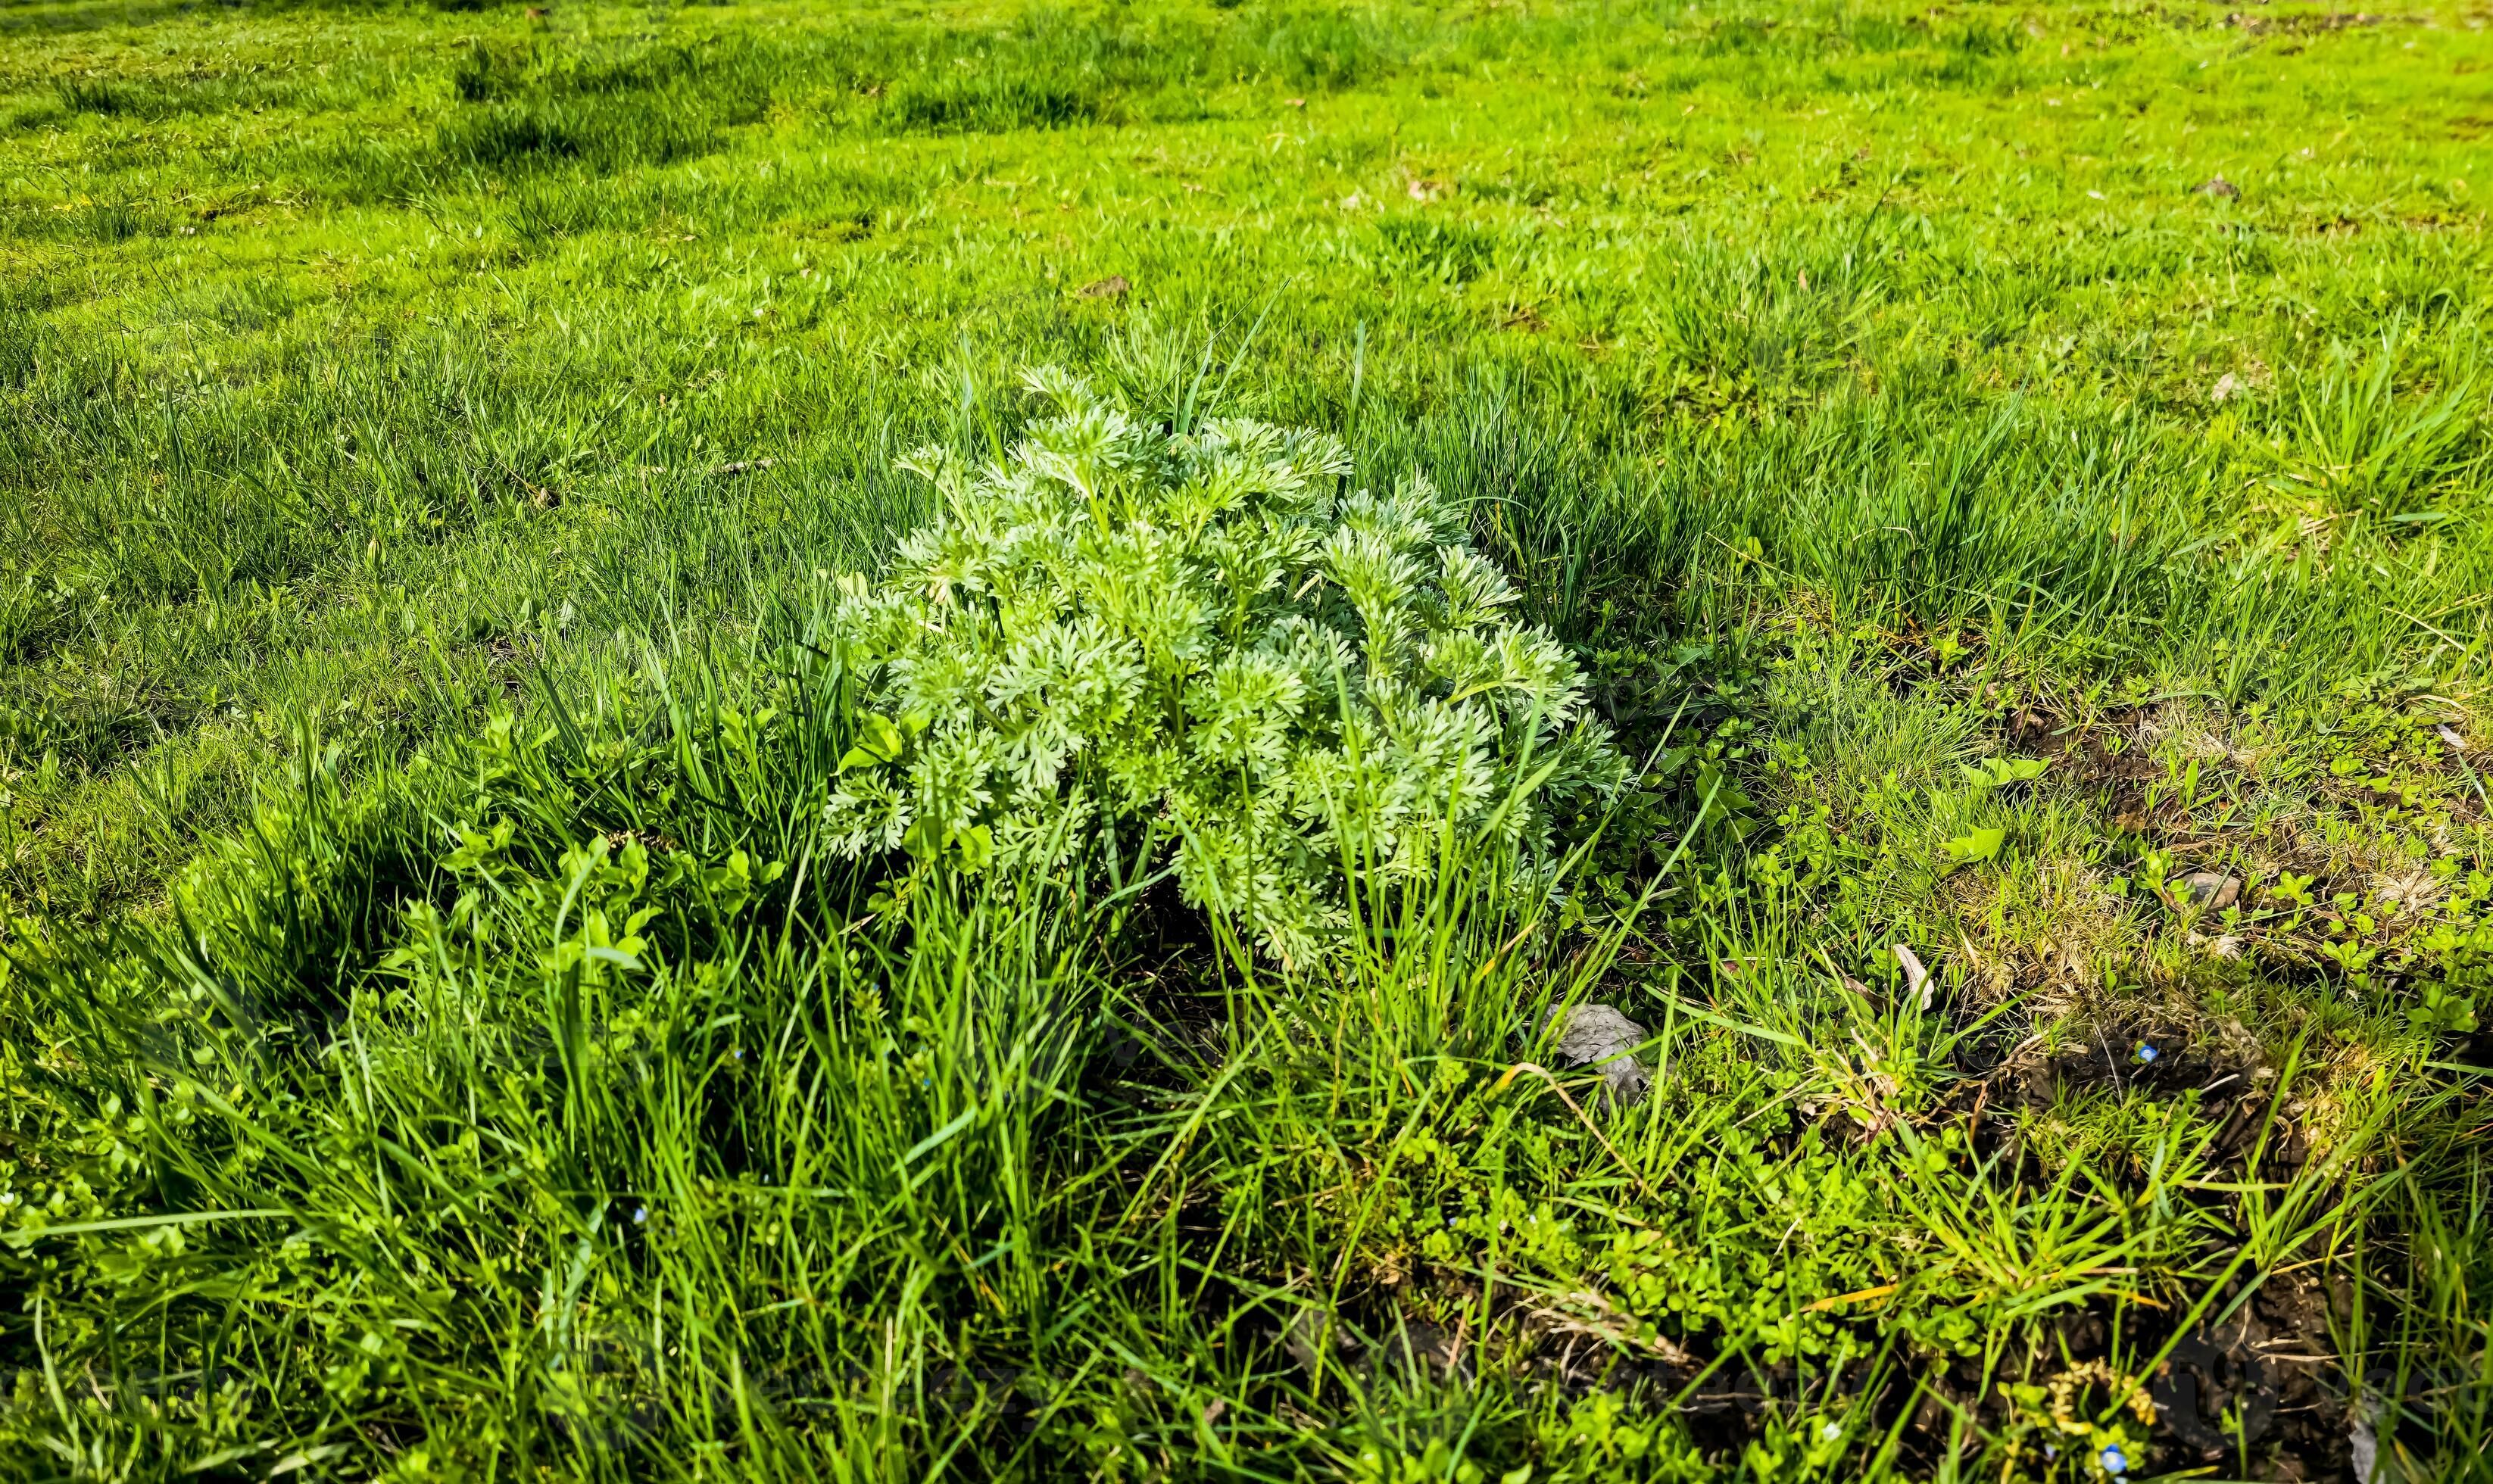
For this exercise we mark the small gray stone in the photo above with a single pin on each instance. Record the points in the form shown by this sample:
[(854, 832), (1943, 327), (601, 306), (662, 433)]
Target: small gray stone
[(1600, 1037), (2363, 1443), (1311, 1337), (2211, 891), (1917, 979)]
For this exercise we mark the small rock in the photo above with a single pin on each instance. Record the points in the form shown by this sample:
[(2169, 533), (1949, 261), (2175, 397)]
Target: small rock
[(2211, 891), (1310, 1338), (1600, 1037), (1108, 287), (1917, 979), (2364, 1444), (1423, 1349), (2220, 187)]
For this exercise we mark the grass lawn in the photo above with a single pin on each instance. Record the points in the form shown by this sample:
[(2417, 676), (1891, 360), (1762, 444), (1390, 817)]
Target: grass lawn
[(689, 789)]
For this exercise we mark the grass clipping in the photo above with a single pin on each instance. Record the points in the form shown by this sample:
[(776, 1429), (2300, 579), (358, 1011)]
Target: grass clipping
[(1193, 644)]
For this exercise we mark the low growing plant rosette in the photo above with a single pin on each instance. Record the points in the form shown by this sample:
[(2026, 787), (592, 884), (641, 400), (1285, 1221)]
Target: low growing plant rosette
[(1205, 648)]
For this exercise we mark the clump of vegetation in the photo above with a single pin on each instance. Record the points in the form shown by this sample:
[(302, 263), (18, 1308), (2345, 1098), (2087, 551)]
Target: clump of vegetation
[(1198, 642), (2363, 447)]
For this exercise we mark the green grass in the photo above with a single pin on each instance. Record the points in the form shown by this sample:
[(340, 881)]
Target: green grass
[(427, 434)]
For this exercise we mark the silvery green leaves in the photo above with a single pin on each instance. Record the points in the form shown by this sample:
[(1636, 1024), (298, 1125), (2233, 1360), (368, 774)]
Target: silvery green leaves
[(1203, 639)]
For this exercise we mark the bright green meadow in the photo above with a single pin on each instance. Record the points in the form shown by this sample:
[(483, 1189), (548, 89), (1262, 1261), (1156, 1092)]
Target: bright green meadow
[(887, 741)]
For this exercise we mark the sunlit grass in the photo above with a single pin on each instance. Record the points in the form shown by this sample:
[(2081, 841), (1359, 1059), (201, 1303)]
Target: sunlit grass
[(1989, 466)]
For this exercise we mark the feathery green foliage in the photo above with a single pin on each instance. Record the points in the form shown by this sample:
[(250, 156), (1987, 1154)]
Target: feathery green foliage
[(1192, 638)]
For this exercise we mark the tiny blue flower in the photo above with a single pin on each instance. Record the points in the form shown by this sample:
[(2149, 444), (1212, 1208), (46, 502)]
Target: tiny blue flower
[(2115, 1461), (1831, 1432), (640, 1214), (2146, 1053), (2051, 1450)]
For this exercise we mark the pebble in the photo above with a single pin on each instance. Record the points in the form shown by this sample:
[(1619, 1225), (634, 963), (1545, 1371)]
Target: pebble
[(1598, 1036), (2211, 891)]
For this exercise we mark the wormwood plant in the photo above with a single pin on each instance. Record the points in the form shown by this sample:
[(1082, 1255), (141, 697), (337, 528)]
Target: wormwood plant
[(1199, 647)]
